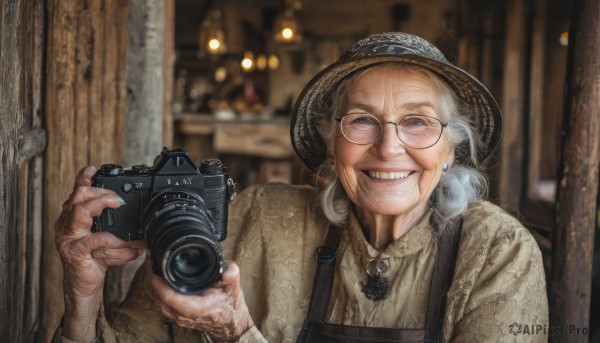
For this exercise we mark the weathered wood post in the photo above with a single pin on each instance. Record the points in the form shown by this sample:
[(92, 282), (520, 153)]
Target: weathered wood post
[(573, 240), (143, 131), (144, 82)]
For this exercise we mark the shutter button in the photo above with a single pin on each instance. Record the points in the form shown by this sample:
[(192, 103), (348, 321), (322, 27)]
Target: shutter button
[(127, 187)]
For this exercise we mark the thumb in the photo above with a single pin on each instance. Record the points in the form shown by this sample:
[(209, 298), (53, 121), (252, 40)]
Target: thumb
[(230, 277)]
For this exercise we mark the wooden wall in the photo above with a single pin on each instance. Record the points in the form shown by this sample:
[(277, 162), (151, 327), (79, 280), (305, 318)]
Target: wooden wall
[(22, 141), (104, 104), (85, 104), (63, 86)]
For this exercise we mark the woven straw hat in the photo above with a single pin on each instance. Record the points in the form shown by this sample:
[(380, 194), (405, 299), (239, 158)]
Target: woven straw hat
[(313, 105)]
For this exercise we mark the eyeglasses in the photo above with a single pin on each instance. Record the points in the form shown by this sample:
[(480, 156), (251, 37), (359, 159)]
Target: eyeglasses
[(415, 131)]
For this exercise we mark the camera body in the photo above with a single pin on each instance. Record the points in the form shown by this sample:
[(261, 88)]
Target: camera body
[(172, 170), (178, 209)]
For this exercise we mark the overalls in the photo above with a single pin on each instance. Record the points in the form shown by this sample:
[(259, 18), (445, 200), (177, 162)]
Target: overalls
[(315, 329)]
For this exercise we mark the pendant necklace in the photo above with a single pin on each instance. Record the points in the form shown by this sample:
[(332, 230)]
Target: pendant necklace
[(377, 284)]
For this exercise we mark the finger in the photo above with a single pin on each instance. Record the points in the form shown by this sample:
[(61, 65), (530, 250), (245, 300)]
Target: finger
[(84, 176), (104, 245), (166, 297), (140, 245), (230, 281), (94, 206), (78, 221), (165, 311), (115, 257), (171, 315), (162, 290), (230, 278), (106, 240), (187, 311), (82, 194), (177, 302), (120, 252)]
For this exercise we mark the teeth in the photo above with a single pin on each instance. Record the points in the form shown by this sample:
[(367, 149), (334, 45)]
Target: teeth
[(388, 176)]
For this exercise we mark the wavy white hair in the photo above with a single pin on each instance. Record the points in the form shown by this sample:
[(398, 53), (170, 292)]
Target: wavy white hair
[(459, 186)]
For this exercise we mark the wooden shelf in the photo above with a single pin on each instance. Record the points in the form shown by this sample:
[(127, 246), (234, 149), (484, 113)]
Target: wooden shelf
[(264, 141)]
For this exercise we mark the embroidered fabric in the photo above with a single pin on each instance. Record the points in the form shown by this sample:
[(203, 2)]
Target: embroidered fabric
[(274, 231)]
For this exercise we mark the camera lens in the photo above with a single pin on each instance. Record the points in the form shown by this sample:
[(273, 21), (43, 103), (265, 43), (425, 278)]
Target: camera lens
[(189, 261), (183, 248)]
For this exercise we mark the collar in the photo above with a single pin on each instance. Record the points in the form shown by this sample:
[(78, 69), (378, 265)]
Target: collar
[(411, 242)]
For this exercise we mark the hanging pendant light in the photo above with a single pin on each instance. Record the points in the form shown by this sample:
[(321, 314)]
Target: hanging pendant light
[(212, 34), (286, 27)]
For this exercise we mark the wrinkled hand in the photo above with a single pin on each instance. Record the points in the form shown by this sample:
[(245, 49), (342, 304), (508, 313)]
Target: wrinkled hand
[(85, 255), (220, 311)]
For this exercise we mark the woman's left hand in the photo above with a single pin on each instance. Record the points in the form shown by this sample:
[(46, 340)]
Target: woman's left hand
[(220, 311)]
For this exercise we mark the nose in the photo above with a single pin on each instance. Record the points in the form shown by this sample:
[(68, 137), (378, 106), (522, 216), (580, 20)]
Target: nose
[(389, 143)]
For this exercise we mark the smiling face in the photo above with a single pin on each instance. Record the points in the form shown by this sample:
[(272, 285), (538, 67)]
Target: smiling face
[(387, 177)]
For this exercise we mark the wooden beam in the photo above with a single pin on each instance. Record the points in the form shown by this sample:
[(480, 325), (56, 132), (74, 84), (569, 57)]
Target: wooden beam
[(168, 71), (513, 107), (536, 104), (573, 240)]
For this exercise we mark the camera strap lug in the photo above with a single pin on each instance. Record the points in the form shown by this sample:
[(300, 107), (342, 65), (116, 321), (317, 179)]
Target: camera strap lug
[(231, 193)]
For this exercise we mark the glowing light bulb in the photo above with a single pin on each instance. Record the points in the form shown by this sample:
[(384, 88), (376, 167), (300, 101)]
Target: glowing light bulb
[(273, 61), (220, 74), (248, 61), (564, 38), (261, 62), (287, 33), (214, 44)]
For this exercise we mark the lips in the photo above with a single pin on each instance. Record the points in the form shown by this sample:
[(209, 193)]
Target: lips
[(388, 175)]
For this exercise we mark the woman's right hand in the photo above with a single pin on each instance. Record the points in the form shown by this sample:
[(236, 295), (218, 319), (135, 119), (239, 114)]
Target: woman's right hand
[(86, 256)]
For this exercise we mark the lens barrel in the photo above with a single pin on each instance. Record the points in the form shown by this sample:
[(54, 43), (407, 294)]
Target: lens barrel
[(183, 248)]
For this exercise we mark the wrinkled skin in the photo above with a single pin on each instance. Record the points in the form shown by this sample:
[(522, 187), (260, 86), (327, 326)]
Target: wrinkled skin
[(86, 256), (220, 311), (388, 207)]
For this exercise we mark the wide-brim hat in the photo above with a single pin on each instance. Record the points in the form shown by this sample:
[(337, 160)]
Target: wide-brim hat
[(314, 102)]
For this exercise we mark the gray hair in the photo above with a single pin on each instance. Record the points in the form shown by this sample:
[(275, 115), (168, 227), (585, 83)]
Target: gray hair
[(459, 186)]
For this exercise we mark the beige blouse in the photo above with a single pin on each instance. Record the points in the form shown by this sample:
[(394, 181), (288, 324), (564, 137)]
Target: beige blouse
[(273, 232)]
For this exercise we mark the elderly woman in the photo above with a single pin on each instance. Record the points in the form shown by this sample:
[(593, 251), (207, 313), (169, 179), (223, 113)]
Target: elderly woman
[(406, 248)]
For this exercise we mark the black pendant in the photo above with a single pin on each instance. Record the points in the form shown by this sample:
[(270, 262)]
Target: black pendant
[(375, 288), (377, 285)]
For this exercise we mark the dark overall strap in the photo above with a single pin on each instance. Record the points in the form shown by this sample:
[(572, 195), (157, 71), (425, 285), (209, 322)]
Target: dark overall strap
[(323, 282), (316, 329), (443, 273)]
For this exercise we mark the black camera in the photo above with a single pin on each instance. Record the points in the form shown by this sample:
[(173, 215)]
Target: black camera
[(180, 210)]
